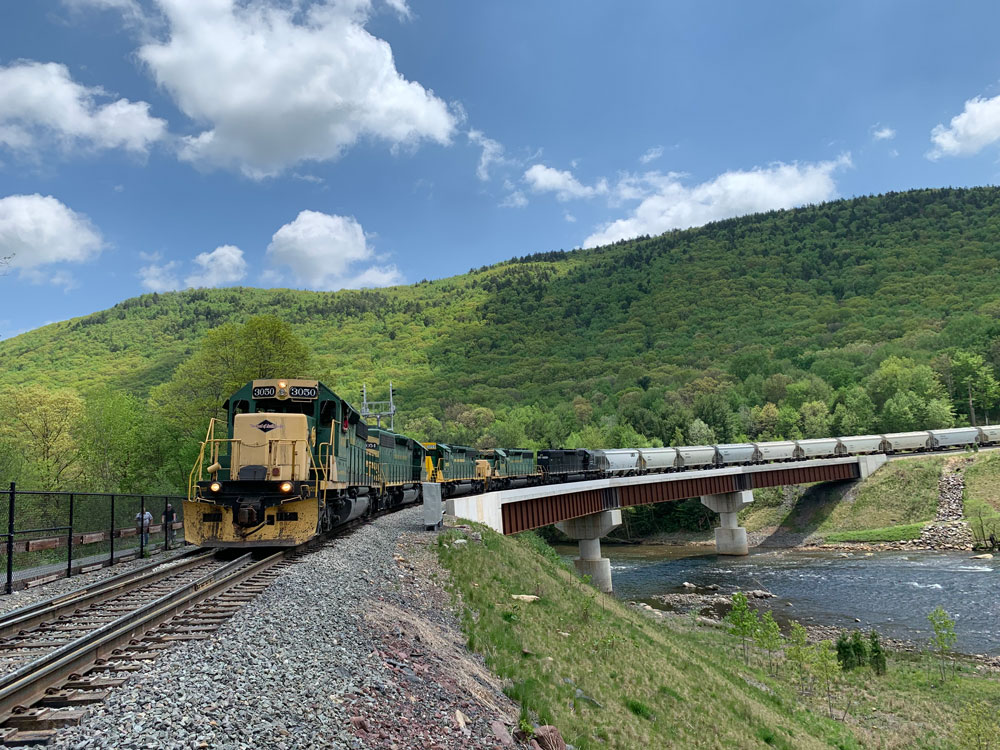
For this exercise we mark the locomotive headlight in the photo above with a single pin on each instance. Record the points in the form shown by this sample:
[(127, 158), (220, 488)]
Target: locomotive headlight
[(215, 486), (285, 487), (282, 384)]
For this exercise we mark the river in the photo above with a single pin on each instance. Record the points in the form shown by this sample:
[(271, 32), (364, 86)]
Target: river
[(890, 591)]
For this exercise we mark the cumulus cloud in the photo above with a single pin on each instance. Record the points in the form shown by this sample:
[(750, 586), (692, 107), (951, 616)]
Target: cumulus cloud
[(157, 277), (324, 251), (543, 179), (515, 198), (279, 85), (651, 155), (883, 133), (976, 127), (223, 266), (670, 204), (40, 233), (41, 101)]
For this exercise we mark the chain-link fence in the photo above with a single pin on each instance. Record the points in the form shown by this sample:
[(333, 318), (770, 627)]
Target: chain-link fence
[(52, 534)]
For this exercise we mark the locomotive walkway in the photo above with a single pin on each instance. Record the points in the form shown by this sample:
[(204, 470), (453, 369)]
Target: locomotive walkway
[(588, 510)]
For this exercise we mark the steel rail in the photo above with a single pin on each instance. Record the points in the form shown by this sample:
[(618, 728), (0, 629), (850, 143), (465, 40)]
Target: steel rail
[(26, 685), (32, 615)]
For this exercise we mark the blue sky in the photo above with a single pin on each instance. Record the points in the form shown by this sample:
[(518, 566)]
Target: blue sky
[(148, 145)]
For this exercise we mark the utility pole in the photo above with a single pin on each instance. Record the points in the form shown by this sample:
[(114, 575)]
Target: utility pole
[(972, 410), (379, 409)]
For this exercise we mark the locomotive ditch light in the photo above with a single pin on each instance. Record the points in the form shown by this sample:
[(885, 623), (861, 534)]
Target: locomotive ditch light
[(215, 486), (285, 487)]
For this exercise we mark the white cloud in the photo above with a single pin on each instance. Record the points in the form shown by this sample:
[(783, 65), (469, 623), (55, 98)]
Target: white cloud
[(41, 232), (492, 153), (160, 278), (41, 100), (883, 133), (278, 85), (670, 204), (569, 217), (223, 266), (651, 155), (969, 132), (514, 199), (543, 179), (324, 251)]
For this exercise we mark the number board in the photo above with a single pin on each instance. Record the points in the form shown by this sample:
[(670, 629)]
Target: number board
[(303, 391), (263, 391)]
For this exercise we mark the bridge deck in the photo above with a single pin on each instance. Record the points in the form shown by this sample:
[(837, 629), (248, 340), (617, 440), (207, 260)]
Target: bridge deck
[(512, 511)]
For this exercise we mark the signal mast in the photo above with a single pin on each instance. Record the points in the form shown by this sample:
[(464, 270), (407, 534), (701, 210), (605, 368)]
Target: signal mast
[(378, 409)]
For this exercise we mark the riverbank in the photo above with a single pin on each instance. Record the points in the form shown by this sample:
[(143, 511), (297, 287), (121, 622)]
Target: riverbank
[(609, 676)]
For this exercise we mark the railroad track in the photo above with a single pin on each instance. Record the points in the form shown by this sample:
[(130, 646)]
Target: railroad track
[(56, 655)]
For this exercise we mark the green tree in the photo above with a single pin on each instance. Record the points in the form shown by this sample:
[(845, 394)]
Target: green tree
[(113, 435), (700, 433), (944, 637), (743, 622), (855, 414), (876, 654), (816, 419), (827, 669), (768, 637), (40, 422), (975, 385), (228, 358), (798, 650)]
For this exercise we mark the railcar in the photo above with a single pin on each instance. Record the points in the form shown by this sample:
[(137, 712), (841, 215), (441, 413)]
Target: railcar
[(905, 441), (695, 456), (507, 467), (816, 448), (455, 468), (955, 437), (735, 454), (776, 450), (859, 445), (292, 461), (658, 459), (398, 462), (989, 434), (620, 461), (559, 464)]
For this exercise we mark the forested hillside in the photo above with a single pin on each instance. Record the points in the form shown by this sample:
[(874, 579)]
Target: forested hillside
[(873, 313)]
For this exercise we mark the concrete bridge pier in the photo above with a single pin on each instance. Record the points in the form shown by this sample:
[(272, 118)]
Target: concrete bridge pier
[(730, 537), (589, 530)]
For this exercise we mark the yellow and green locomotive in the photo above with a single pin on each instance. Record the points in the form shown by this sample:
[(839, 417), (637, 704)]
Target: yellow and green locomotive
[(295, 460)]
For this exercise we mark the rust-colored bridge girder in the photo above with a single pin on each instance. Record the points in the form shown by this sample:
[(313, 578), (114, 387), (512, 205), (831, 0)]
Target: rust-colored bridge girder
[(536, 512)]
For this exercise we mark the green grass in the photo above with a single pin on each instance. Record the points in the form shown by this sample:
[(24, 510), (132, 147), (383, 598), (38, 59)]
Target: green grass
[(982, 495), (608, 677), (887, 534)]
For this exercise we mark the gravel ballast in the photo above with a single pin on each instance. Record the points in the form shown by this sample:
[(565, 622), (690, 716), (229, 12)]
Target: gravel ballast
[(353, 647)]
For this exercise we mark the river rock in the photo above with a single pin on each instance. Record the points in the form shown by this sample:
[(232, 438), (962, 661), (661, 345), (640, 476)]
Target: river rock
[(986, 556), (549, 738)]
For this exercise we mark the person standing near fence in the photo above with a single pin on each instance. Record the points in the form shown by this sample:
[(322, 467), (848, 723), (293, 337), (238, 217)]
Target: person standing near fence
[(142, 522), (169, 516)]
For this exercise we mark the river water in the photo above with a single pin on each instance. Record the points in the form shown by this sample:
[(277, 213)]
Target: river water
[(890, 591)]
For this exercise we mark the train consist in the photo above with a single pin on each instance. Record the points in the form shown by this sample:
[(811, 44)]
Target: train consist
[(297, 460)]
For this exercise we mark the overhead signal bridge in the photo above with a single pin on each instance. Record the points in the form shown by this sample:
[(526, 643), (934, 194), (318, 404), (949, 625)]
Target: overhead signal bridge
[(588, 510)]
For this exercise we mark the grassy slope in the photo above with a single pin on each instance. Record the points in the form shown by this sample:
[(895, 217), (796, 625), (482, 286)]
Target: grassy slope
[(669, 684), (982, 495), (893, 504), (830, 289)]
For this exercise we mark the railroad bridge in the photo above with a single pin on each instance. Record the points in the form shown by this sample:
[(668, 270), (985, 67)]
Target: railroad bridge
[(589, 510)]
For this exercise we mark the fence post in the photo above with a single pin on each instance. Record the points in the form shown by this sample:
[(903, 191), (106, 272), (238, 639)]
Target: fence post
[(69, 540), (142, 525), (112, 560), (10, 540)]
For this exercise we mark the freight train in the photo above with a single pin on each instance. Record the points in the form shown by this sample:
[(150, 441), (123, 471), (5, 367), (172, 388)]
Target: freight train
[(297, 460)]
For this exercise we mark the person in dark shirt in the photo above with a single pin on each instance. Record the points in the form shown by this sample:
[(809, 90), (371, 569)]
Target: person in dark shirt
[(168, 517)]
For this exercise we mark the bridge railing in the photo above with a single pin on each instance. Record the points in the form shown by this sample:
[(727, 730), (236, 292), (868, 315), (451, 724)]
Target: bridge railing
[(50, 534)]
